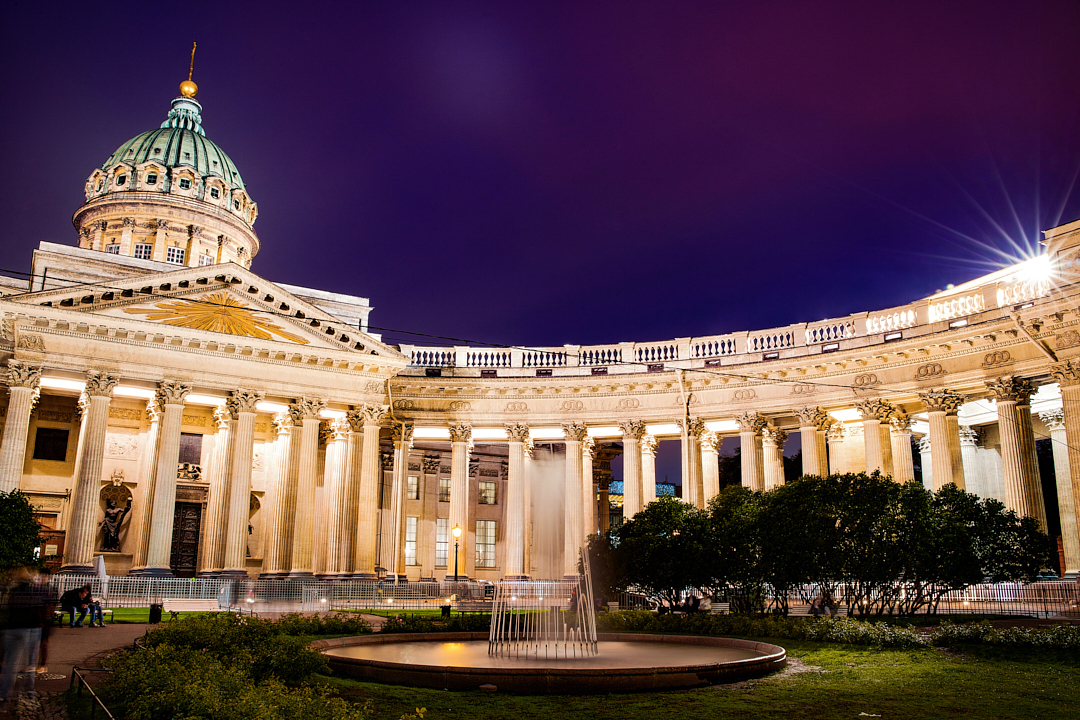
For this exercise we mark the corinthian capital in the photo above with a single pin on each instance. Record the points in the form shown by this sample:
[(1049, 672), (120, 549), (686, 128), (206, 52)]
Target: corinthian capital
[(374, 414), (575, 431), (942, 401), (283, 423), (807, 415), (401, 433), (633, 429), (750, 422), (588, 448), (173, 392), (1011, 389), (900, 422), (241, 400), (694, 428), (648, 445), (21, 374), (771, 433), (339, 430), (1053, 419), (710, 441), (874, 409), (517, 432), (100, 384), (460, 432), (355, 416), (1067, 374), (223, 416), (306, 408)]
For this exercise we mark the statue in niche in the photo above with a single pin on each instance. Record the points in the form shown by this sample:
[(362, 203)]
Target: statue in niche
[(114, 516)]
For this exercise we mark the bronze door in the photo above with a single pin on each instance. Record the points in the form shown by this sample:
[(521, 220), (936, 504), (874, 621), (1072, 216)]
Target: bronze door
[(185, 540)]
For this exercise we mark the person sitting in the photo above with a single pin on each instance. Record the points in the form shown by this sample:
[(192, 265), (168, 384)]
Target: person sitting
[(94, 607), (71, 601), (816, 607)]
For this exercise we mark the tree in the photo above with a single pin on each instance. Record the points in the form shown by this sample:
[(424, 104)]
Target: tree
[(735, 565), (20, 536)]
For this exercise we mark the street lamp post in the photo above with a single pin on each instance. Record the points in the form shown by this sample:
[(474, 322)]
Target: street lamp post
[(457, 534)]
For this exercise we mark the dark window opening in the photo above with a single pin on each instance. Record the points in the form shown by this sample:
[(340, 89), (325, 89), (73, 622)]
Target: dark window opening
[(51, 444), (191, 448)]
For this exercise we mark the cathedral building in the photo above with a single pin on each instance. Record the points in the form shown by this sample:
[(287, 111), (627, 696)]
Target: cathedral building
[(222, 423)]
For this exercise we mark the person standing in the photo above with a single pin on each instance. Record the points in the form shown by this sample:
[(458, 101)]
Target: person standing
[(24, 608)]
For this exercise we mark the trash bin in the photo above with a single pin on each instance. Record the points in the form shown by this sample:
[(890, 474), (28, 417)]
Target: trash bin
[(155, 613), (446, 611)]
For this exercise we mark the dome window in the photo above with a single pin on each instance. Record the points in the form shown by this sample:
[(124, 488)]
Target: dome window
[(236, 204), (174, 255), (100, 184), (185, 184), (205, 260), (157, 151), (121, 179), (215, 193), (187, 156), (144, 251), (113, 249), (151, 179)]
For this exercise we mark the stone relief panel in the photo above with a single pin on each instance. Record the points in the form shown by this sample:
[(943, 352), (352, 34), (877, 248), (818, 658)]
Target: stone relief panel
[(929, 371), (258, 458), (1067, 339), (866, 380), (122, 443), (743, 395), (996, 358)]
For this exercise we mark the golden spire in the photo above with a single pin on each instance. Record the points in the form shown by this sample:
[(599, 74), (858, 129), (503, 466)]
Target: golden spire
[(188, 88)]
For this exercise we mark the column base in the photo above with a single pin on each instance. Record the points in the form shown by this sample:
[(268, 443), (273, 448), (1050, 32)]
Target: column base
[(300, 575), (364, 576), (232, 575), (273, 576), (77, 570), (152, 572), (515, 577), (208, 574)]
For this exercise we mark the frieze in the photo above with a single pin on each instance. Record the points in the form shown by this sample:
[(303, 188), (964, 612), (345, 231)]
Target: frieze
[(743, 395), (189, 472), (517, 406), (1067, 339), (119, 413), (572, 406), (489, 472), (260, 427), (929, 371), (190, 494), (404, 405), (996, 358), (414, 467), (373, 386), (628, 403), (460, 406), (194, 420), (803, 389), (444, 469), (32, 342), (54, 416), (865, 380)]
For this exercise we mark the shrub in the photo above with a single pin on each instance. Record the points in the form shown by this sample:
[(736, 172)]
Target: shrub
[(173, 683), (472, 622), (1058, 637), (336, 624)]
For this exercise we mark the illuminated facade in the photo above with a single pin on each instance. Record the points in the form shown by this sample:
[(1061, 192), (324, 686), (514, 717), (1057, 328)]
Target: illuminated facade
[(258, 429)]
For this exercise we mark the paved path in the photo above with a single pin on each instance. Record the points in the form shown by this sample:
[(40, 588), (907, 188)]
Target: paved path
[(71, 647)]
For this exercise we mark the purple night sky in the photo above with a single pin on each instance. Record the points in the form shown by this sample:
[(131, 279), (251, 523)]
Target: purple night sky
[(578, 172)]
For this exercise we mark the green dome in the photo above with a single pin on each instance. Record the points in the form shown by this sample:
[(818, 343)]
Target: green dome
[(180, 142)]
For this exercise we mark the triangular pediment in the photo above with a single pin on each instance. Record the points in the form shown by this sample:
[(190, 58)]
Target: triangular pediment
[(225, 299)]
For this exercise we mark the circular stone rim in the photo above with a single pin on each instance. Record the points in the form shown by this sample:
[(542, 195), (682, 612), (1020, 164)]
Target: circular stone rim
[(554, 679)]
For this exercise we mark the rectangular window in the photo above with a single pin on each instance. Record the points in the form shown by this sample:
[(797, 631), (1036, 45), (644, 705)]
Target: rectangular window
[(410, 540), (144, 251), (205, 260), (113, 249), (442, 544), (412, 490), (51, 444), (487, 492), (485, 543), (185, 184), (175, 255), (190, 448), (444, 489)]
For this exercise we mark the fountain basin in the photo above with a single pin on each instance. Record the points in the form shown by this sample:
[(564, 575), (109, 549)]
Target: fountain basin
[(627, 662)]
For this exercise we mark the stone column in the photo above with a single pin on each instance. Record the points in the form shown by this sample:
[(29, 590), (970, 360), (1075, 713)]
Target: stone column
[(171, 395), (1070, 538), (900, 438), (1067, 375), (393, 552), (337, 451), (22, 381), (460, 437), (143, 517), (648, 473), (824, 422), (282, 482), (588, 489), (1023, 493), (127, 225), (926, 460), (529, 452), (693, 489), (367, 527), (969, 454), (772, 442), (940, 404), (514, 535), (82, 526), (835, 436), (305, 416), (603, 504), (575, 435), (750, 425), (875, 413), (633, 496), (710, 466), (350, 495), (812, 461), (241, 403), (216, 519)]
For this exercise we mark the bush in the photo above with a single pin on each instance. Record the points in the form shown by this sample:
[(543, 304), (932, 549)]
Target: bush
[(336, 624), (473, 622), (173, 683), (1058, 637)]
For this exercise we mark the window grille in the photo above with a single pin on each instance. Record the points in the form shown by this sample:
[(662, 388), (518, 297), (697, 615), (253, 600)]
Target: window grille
[(175, 256), (412, 491), (444, 489), (487, 492), (113, 249), (410, 540), (442, 544), (144, 251), (485, 543)]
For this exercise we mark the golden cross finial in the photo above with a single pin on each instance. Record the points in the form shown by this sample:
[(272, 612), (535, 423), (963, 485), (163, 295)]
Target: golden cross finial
[(188, 88)]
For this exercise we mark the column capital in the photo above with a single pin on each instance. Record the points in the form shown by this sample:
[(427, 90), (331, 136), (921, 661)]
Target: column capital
[(695, 427), (588, 448), (634, 429), (836, 432), (575, 431), (242, 400), (648, 444), (283, 423), (709, 441), (1053, 419), (1011, 389), (154, 409), (401, 433), (1067, 374), (460, 432), (874, 409), (924, 444), (750, 422), (969, 435), (100, 384), (900, 422), (774, 434), (371, 414), (942, 401), (20, 374), (517, 432), (808, 416), (222, 417), (339, 430), (306, 408), (173, 392)]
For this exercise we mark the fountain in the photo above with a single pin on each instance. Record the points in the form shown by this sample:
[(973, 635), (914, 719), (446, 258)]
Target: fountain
[(543, 639)]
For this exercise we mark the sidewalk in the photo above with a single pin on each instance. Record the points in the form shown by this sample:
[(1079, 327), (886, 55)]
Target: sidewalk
[(71, 647)]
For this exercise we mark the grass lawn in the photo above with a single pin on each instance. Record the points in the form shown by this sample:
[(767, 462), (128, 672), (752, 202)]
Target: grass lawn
[(843, 682)]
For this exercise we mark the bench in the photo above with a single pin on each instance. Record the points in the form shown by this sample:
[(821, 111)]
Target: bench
[(720, 609), (473, 606), (175, 607), (58, 615)]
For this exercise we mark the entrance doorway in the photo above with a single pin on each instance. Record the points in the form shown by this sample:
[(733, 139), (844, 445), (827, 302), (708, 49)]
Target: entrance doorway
[(187, 520)]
